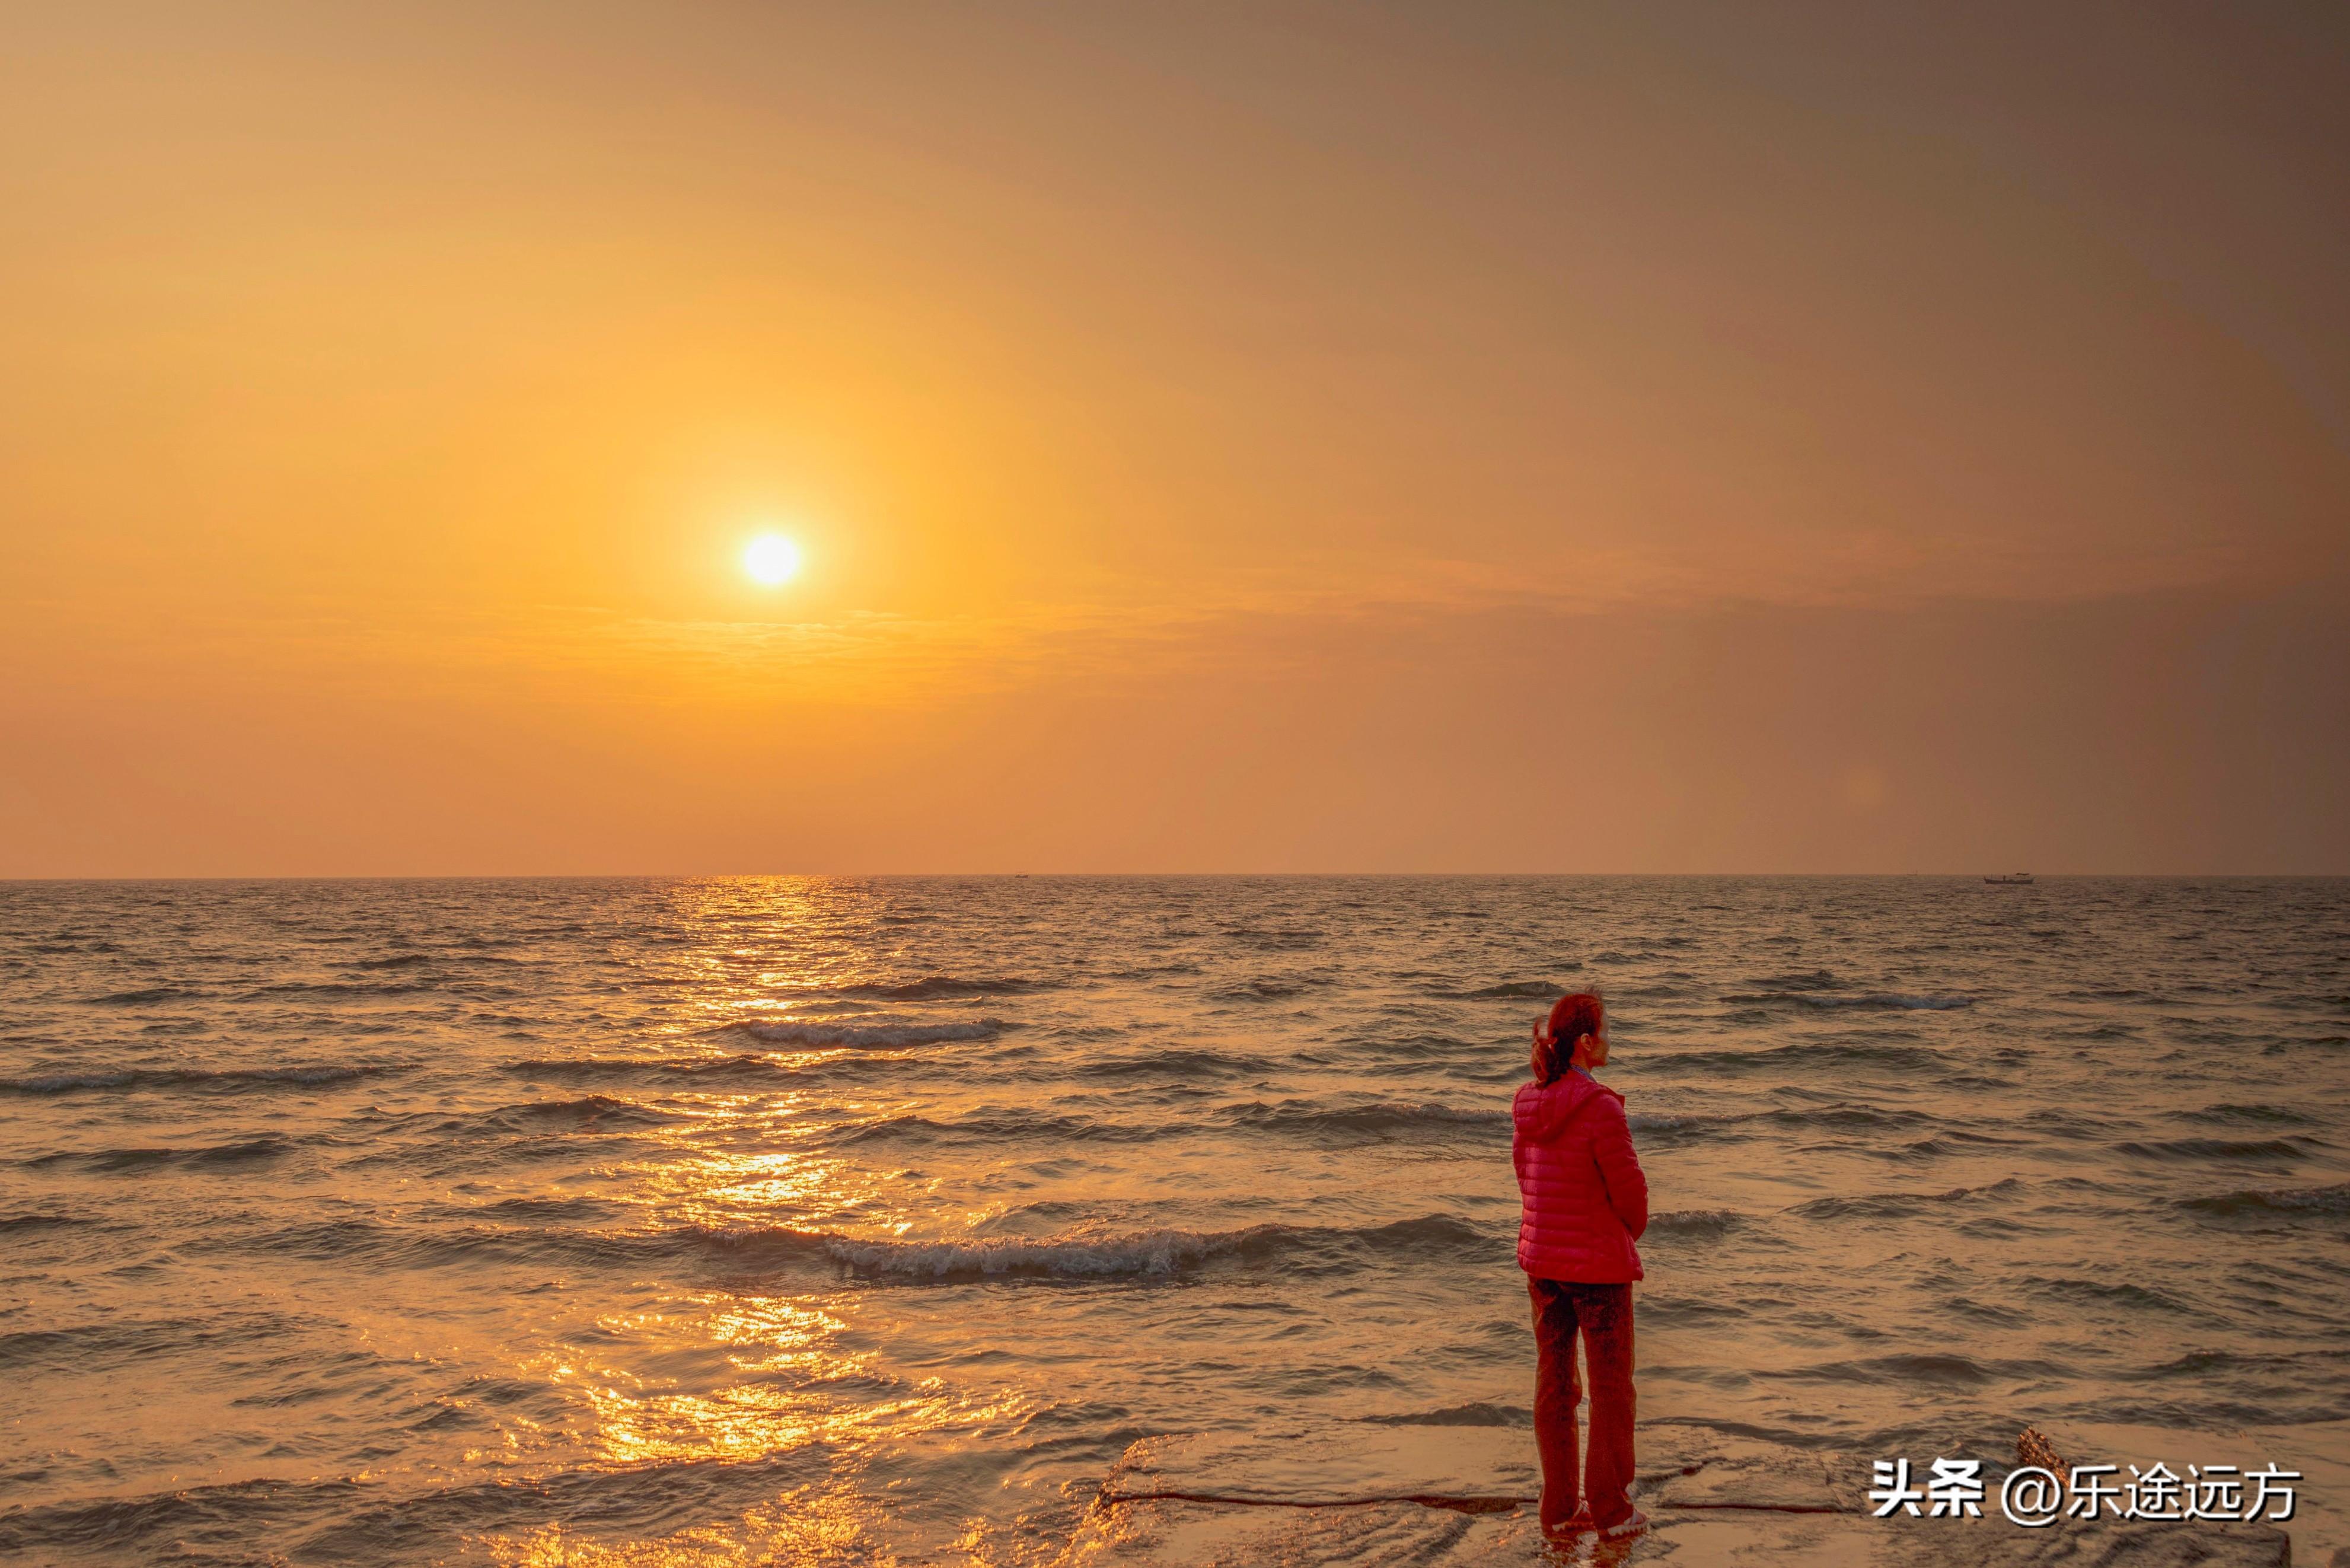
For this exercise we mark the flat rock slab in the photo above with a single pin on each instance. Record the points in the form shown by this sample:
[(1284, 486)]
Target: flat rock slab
[(1358, 1493), (1163, 1533), (1491, 1468)]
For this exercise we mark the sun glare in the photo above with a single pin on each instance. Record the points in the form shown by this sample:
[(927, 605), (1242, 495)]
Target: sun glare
[(771, 559)]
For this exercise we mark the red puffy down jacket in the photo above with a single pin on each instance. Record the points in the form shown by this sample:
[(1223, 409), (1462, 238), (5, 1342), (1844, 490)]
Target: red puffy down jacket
[(1586, 1199)]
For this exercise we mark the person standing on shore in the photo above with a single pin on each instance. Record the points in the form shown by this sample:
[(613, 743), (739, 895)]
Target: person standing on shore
[(1585, 1202)]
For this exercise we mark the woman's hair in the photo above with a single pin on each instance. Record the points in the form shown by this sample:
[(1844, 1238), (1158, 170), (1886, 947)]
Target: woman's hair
[(1570, 1018)]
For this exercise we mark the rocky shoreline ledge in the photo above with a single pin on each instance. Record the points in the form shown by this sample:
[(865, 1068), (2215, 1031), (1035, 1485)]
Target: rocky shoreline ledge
[(1354, 1493)]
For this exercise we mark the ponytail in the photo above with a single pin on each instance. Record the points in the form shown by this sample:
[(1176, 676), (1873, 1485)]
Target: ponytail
[(1570, 1018)]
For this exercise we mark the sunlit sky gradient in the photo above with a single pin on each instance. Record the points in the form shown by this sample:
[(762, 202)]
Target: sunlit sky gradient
[(1668, 438)]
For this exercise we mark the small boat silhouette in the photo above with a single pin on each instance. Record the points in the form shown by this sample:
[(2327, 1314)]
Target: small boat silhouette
[(2016, 878)]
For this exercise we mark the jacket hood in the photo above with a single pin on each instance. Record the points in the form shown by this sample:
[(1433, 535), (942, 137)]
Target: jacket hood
[(1541, 1110)]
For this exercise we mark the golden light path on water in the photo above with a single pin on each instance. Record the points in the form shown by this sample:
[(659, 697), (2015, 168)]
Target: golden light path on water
[(708, 1181)]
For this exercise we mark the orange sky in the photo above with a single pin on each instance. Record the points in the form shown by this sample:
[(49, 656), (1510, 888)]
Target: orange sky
[(1290, 437)]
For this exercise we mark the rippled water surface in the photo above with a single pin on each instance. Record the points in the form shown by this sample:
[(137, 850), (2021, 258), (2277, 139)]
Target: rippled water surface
[(844, 1220)]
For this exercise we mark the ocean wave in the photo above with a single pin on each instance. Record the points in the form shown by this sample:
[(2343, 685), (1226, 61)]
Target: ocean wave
[(2198, 1363), (1263, 989), (1696, 1224), (1813, 979), (998, 1127), (1477, 1412), (205, 1156), (1949, 1140), (751, 1251), (145, 996), (1651, 1128), (1162, 1252), (589, 1113), (1416, 1047), (936, 988), (1867, 1002), (83, 1348), (351, 1520), (1826, 1057), (1707, 1312), (1898, 1205), (309, 1076), (703, 1250), (21, 1224), (1507, 990), (2223, 1149), (2321, 1202), (1312, 1117), (1916, 1371), (2249, 1115), (690, 1071), (1154, 971), (2108, 1292), (869, 1035), (1843, 1116), (1175, 1063), (528, 1211), (1274, 939)]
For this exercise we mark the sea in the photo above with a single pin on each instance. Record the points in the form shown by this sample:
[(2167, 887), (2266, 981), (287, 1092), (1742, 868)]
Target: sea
[(842, 1219)]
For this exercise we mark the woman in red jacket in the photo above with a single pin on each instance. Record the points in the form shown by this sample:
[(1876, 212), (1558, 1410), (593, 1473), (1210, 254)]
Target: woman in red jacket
[(1585, 1202)]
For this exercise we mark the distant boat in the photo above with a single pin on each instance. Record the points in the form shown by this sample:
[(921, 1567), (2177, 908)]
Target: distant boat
[(2013, 878)]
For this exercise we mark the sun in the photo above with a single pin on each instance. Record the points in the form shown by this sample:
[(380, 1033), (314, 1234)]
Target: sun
[(771, 559)]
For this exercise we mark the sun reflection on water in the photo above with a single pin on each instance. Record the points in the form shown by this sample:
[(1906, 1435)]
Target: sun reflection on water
[(751, 1392)]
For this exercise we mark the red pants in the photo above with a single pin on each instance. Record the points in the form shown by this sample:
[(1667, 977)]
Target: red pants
[(1602, 1316)]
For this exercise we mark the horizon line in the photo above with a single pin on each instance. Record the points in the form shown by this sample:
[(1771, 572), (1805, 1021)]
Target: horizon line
[(1164, 875)]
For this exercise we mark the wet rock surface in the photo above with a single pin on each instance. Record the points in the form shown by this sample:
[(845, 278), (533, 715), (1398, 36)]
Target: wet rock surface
[(1348, 1494)]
